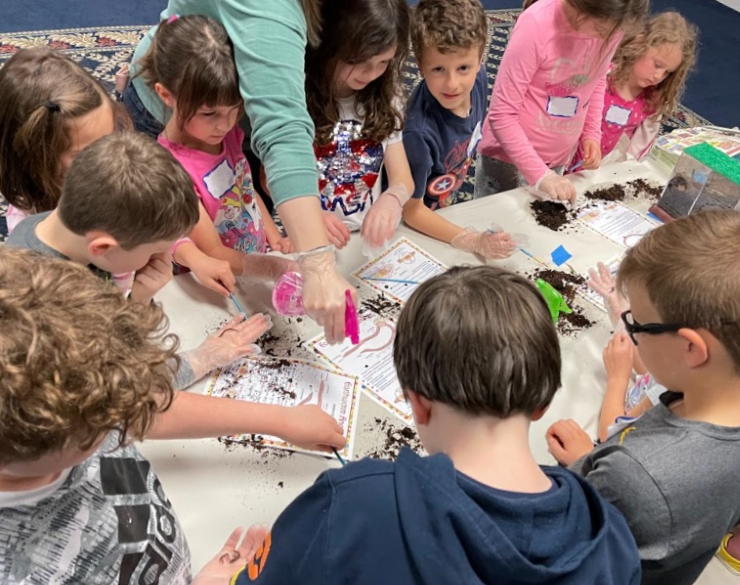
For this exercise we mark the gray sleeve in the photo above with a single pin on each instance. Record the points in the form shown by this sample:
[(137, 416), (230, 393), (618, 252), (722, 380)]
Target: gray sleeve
[(624, 482), (184, 376)]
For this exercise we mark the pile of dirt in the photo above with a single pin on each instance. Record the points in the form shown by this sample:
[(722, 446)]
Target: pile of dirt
[(614, 193), (381, 306), (566, 284), (644, 189), (552, 215), (395, 439)]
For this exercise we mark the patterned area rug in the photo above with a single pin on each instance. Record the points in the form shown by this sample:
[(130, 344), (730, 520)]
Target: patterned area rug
[(102, 51)]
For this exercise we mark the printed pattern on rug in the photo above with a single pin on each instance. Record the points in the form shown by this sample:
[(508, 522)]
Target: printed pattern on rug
[(103, 51)]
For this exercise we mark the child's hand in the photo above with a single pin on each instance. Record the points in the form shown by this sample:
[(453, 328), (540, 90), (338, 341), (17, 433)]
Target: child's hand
[(152, 278), (280, 244), (336, 230), (309, 427), (384, 217), (232, 557), (214, 274), (266, 266), (556, 187), (568, 442), (618, 358), (232, 341), (602, 281), (591, 154), (490, 245)]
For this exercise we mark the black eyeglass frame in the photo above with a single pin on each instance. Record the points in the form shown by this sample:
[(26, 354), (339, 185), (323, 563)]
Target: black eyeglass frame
[(649, 328)]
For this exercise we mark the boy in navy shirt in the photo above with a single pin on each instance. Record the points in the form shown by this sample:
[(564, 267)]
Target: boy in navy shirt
[(444, 118), (479, 509)]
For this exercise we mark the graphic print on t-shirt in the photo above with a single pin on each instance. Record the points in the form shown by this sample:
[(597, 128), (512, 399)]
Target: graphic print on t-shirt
[(238, 220), (348, 169), (456, 164)]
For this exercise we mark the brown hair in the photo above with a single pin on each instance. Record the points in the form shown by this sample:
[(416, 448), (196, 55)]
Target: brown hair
[(666, 28), (448, 25), (690, 270), (131, 188), (360, 30), (77, 360), (480, 339), (42, 92), (192, 56), (312, 13), (623, 14)]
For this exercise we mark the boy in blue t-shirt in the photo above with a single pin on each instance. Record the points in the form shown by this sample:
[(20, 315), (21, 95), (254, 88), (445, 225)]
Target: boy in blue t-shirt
[(479, 509), (444, 118)]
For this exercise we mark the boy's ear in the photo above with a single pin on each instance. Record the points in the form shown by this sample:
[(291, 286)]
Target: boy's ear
[(539, 413), (421, 408), (100, 243), (697, 348), (165, 95)]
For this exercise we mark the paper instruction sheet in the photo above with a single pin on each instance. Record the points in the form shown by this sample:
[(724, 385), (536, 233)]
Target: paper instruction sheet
[(403, 261), (372, 361), (616, 222), (290, 382)]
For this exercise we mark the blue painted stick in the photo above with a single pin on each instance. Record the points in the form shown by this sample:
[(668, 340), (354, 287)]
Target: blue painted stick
[(342, 461), (238, 306), (393, 280)]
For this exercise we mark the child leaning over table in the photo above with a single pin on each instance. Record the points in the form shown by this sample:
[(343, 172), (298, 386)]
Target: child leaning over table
[(479, 509), (673, 472), (444, 117), (83, 374)]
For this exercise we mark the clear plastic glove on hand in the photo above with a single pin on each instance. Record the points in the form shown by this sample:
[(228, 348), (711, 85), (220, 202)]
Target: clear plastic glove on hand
[(602, 281), (490, 245), (266, 266), (324, 289), (383, 219), (232, 341), (556, 188)]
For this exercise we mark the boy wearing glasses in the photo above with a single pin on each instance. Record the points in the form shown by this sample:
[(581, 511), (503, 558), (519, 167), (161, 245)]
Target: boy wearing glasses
[(673, 472)]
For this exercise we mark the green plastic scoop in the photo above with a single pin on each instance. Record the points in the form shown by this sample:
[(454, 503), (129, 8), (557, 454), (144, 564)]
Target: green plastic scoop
[(555, 301)]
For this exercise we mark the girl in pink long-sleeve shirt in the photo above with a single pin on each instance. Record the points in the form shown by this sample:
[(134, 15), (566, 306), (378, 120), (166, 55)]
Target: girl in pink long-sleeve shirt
[(549, 93)]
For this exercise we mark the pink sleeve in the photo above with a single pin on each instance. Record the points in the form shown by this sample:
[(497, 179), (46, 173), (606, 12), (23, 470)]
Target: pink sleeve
[(179, 243), (595, 113), (520, 62)]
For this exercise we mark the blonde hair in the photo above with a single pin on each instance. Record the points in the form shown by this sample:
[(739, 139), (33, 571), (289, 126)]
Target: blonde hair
[(448, 25), (666, 28), (77, 360), (690, 270)]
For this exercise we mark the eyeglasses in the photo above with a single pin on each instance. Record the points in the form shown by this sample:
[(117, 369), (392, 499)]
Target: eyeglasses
[(632, 327)]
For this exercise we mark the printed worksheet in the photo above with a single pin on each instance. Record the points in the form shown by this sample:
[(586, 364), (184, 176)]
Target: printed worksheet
[(587, 293), (372, 361), (399, 270), (616, 222), (290, 382)]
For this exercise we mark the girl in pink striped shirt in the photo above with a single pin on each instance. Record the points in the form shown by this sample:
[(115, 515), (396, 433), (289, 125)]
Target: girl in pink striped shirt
[(549, 93)]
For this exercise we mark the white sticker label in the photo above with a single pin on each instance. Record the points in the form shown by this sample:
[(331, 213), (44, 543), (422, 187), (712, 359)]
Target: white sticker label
[(562, 107), (618, 115)]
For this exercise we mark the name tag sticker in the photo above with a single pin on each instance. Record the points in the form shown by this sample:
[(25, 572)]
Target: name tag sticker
[(562, 107), (618, 115)]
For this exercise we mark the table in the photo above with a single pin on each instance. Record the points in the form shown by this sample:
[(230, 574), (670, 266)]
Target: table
[(214, 488)]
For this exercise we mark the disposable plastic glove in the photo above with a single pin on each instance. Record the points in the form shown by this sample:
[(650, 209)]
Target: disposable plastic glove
[(232, 341), (487, 244), (556, 187), (324, 291), (602, 281), (266, 266), (383, 219)]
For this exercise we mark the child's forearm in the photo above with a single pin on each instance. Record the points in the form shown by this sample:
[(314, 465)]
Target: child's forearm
[(641, 408), (233, 257), (187, 254), (196, 416), (271, 231), (613, 405), (424, 220)]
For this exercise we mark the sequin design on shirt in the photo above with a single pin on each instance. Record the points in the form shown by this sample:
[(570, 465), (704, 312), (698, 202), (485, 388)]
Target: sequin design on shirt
[(349, 167)]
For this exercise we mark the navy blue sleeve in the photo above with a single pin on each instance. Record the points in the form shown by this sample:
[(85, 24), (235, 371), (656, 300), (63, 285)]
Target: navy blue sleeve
[(295, 550), (420, 160), (482, 93)]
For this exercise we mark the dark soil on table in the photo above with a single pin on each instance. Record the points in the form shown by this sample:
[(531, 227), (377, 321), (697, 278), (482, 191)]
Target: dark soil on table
[(396, 437), (644, 189), (552, 215), (613, 193), (566, 284)]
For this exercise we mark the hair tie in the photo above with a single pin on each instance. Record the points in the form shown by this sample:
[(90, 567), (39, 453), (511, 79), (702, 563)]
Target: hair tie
[(51, 106), (173, 18)]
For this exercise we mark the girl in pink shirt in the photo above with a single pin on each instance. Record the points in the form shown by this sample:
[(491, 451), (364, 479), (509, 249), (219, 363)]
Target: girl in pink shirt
[(190, 64), (645, 85), (549, 93)]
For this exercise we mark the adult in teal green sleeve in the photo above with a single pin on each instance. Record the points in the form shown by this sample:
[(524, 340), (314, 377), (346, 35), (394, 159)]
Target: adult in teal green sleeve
[(269, 38)]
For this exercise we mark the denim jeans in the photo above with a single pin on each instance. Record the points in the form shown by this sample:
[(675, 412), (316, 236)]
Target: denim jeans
[(143, 121)]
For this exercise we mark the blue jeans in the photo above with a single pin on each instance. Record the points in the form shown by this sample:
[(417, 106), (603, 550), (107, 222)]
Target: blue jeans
[(143, 121)]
